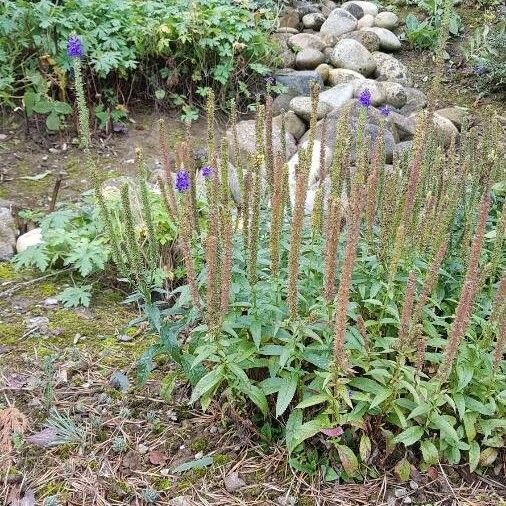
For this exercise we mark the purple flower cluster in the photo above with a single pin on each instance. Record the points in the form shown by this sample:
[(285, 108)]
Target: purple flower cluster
[(75, 48), (182, 181), (385, 110), (364, 98), (207, 171)]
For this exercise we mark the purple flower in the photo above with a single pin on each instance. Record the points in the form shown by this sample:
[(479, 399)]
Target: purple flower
[(207, 171), (365, 98), (182, 181), (385, 110), (75, 48)]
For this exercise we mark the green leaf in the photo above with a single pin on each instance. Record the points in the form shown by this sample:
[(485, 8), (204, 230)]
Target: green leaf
[(75, 296), (409, 436), (194, 464), (208, 382), (348, 459), (256, 395), (167, 386), (474, 456), (403, 469), (43, 106), (380, 397), (488, 456), (256, 332), (62, 107), (286, 393), (420, 410), (365, 448), (446, 430), (53, 121), (312, 401), (293, 424), (429, 452)]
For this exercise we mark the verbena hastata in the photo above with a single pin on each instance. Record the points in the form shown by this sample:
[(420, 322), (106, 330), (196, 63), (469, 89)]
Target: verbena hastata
[(377, 322)]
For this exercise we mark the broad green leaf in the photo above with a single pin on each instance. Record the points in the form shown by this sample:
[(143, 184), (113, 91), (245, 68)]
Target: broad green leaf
[(194, 464), (403, 469), (312, 401), (53, 121), (256, 395), (308, 430), (285, 394), (167, 386), (469, 420), (365, 448), (429, 452), (348, 459), (474, 456), (446, 430), (256, 332), (420, 410), (380, 397), (409, 436), (209, 381), (293, 424), (366, 385)]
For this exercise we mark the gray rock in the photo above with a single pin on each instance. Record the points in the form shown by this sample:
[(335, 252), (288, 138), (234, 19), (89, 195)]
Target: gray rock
[(336, 96), (378, 96), (305, 7), (350, 54), (298, 81), (305, 41), (457, 115), (282, 102), (37, 322), (313, 20), (8, 232), (368, 7), (445, 129), (302, 107), (338, 22), (403, 147), (309, 59), (233, 482), (181, 500), (395, 94), (323, 70), (355, 10), (289, 18), (387, 20), (388, 40), (293, 124), (365, 22), (286, 55), (369, 40), (287, 30), (119, 381), (343, 76), (31, 238), (389, 68), (404, 127), (415, 101)]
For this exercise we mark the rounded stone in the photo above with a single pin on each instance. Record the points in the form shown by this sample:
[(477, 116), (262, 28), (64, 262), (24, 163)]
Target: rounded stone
[(336, 96), (395, 94), (343, 76), (298, 81), (323, 70), (302, 41), (378, 96), (416, 100), (31, 238), (365, 22), (293, 124), (309, 59), (387, 20), (355, 10), (350, 54), (369, 40), (388, 40), (368, 7), (313, 20), (289, 18), (282, 102), (389, 68), (302, 107), (339, 21)]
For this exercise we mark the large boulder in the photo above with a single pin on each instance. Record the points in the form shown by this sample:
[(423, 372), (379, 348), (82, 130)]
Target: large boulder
[(8, 232), (378, 96), (305, 7), (350, 54), (309, 59), (405, 127), (289, 18), (365, 22), (368, 7), (387, 39), (343, 76), (389, 68), (301, 106), (336, 96), (415, 101), (298, 81), (387, 20), (368, 39), (457, 115), (395, 94), (338, 22), (293, 124), (301, 41), (313, 20)]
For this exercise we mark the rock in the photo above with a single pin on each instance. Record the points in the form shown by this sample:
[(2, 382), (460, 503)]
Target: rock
[(286, 55), (119, 381), (50, 302), (38, 322), (287, 29), (305, 41), (305, 7), (181, 500), (336, 96), (299, 81), (387, 20), (328, 53), (323, 71), (457, 115), (233, 482), (389, 68), (350, 54), (378, 96), (302, 107), (371, 133), (395, 94), (247, 143), (343, 76), (368, 7), (369, 40), (355, 10), (282, 102), (309, 59), (31, 238), (365, 22), (415, 101), (313, 20), (388, 40), (8, 232), (404, 127), (293, 124), (338, 22), (289, 18), (286, 500), (445, 129)]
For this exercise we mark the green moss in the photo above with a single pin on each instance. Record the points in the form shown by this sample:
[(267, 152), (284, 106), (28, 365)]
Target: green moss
[(7, 270), (11, 332), (47, 289), (199, 444), (221, 459)]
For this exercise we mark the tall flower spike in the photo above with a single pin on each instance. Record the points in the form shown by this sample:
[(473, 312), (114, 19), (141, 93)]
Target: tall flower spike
[(269, 147), (407, 312), (182, 181), (212, 288), (211, 140), (333, 227), (75, 47), (342, 299), (498, 317), (255, 220), (277, 215), (246, 213), (226, 272), (164, 153), (296, 234), (467, 296)]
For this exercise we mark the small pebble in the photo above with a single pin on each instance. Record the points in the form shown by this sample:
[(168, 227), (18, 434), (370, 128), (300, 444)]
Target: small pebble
[(414, 485), (142, 449), (50, 301), (119, 381), (199, 455)]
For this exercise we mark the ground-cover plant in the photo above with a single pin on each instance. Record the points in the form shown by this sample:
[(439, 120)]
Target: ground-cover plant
[(145, 49)]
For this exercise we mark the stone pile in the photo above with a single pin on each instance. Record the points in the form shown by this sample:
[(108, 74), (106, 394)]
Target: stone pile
[(346, 49)]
